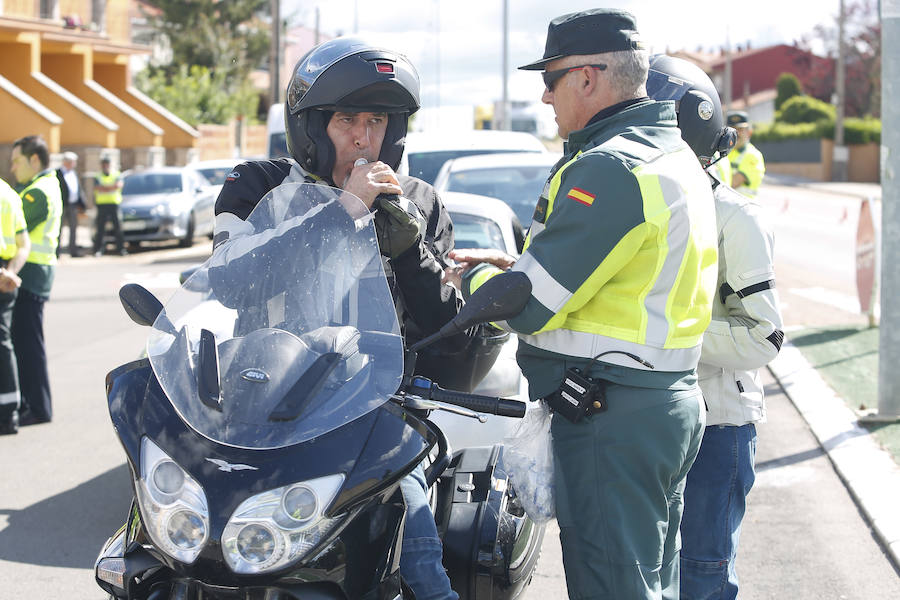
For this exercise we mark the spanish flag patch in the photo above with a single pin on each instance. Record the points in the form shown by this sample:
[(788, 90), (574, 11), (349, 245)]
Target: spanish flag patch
[(581, 196)]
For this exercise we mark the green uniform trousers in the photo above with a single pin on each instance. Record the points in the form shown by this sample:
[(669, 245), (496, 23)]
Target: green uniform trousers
[(619, 479)]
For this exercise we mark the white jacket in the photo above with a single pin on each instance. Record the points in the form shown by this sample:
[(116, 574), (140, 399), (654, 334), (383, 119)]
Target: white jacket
[(746, 330)]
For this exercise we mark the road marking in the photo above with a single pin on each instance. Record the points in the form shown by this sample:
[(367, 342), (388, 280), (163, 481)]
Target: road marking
[(821, 295)]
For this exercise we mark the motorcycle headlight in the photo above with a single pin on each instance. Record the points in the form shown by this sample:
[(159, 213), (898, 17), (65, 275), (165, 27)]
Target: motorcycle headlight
[(173, 505), (275, 528)]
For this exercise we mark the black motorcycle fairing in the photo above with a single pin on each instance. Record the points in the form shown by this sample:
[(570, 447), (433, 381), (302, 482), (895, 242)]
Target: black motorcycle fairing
[(374, 451), (490, 546)]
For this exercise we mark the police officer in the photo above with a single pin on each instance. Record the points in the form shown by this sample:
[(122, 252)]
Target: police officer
[(348, 105), (745, 334), (42, 207), (14, 248), (622, 259), (107, 198), (747, 164)]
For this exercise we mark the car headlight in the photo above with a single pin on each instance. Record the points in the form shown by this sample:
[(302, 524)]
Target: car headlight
[(275, 528), (173, 505)]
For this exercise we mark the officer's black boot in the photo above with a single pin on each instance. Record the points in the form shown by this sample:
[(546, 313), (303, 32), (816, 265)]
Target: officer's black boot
[(10, 424)]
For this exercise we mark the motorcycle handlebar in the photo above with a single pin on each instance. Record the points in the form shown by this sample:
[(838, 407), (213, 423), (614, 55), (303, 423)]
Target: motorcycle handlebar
[(484, 404)]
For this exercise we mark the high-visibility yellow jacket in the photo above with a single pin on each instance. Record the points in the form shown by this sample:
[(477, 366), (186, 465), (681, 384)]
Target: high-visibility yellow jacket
[(42, 205), (749, 162), (621, 254), (12, 220), (114, 197)]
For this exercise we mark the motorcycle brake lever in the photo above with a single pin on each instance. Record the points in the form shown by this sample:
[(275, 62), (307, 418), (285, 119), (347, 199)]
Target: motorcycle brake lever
[(417, 403)]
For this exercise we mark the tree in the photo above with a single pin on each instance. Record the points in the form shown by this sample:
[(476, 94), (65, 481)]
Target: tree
[(862, 39), (227, 38), (787, 86)]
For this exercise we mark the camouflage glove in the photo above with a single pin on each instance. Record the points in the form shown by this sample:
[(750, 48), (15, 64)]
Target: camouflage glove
[(398, 229)]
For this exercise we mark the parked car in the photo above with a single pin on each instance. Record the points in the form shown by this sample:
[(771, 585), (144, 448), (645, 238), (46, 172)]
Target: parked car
[(215, 171), (426, 152), (166, 203), (482, 222), (515, 178)]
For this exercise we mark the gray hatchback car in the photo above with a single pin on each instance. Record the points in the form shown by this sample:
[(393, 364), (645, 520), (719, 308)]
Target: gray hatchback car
[(167, 203)]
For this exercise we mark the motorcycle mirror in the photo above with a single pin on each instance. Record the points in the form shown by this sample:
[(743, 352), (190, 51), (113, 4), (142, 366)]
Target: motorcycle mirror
[(140, 303), (501, 297)]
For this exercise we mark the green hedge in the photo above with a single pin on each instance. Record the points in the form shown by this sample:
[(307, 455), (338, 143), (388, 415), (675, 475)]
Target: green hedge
[(804, 109), (856, 131)]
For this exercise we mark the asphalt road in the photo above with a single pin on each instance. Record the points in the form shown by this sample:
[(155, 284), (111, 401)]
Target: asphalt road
[(66, 486)]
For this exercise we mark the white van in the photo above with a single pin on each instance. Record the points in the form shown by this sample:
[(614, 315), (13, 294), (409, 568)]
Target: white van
[(277, 144)]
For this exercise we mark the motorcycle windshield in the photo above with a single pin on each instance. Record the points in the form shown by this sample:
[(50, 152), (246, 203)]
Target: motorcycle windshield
[(288, 331)]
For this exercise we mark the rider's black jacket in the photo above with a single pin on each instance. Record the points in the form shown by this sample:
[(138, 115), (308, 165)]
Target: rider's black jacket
[(423, 303)]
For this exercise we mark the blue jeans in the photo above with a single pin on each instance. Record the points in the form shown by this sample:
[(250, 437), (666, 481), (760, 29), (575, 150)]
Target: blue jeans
[(714, 502), (422, 553)]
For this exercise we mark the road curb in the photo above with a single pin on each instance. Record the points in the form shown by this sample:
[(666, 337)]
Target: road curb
[(868, 471)]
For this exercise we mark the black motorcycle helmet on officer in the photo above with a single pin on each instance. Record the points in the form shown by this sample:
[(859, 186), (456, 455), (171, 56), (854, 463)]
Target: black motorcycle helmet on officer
[(700, 116), (348, 75)]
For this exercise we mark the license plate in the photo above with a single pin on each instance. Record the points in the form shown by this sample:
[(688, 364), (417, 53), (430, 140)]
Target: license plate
[(135, 225)]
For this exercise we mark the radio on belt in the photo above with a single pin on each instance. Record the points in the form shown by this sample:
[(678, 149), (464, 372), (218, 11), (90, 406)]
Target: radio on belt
[(577, 396)]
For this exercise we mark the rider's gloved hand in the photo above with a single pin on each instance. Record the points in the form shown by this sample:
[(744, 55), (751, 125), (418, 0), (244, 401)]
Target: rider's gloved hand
[(397, 228)]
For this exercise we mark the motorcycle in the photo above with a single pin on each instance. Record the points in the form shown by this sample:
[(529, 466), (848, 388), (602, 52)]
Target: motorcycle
[(275, 413)]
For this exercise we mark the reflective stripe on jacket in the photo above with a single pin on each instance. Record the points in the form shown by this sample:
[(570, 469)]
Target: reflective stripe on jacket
[(108, 197), (12, 220), (622, 252), (45, 235), (746, 330)]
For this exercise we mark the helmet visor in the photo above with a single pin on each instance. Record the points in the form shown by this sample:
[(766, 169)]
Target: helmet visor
[(661, 86)]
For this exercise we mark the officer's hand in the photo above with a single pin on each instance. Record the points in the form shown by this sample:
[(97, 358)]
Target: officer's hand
[(397, 230), (367, 181), (738, 179), (9, 281), (468, 258)]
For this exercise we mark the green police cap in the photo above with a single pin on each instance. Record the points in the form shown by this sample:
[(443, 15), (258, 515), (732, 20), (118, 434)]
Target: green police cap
[(738, 118), (588, 32)]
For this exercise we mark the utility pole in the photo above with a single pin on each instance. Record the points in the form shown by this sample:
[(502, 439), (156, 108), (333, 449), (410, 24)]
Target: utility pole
[(889, 332), (275, 53), (841, 154), (727, 85), (504, 98), (317, 26)]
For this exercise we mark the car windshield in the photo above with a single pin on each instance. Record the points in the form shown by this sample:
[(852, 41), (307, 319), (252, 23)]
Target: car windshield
[(151, 183), (278, 146), (471, 231), (519, 187), (427, 165), (288, 331), (216, 175)]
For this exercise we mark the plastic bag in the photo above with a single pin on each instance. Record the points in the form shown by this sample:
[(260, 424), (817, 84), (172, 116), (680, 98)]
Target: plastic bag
[(528, 458)]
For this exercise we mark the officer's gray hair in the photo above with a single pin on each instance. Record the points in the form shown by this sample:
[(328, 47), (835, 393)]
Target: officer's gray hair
[(627, 72)]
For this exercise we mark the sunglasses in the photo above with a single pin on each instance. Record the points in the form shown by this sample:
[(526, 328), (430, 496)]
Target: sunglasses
[(551, 77)]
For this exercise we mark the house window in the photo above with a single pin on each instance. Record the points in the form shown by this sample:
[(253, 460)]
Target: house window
[(49, 9), (98, 15)]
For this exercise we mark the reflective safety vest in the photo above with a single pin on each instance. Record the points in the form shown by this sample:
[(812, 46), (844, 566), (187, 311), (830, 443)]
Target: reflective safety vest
[(749, 162), (622, 252), (45, 236), (12, 220), (108, 197)]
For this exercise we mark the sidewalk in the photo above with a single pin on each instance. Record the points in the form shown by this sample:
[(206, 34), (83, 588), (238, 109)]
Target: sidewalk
[(868, 471), (851, 189)]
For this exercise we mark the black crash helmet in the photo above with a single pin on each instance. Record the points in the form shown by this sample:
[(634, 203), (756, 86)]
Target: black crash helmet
[(349, 75), (700, 116)]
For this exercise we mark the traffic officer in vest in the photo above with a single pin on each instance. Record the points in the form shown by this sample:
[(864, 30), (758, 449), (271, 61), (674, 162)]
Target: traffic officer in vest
[(42, 207), (745, 334), (14, 248), (622, 259), (747, 164), (108, 197)]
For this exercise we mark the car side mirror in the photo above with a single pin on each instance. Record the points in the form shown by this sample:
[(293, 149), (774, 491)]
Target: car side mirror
[(140, 303), (501, 297)]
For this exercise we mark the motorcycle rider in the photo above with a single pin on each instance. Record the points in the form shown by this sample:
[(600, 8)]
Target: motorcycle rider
[(346, 101), (745, 334)]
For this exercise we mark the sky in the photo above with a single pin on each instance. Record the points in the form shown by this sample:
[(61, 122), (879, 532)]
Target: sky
[(456, 45)]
